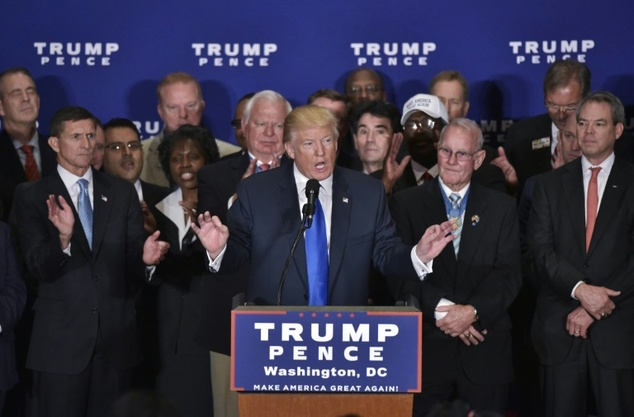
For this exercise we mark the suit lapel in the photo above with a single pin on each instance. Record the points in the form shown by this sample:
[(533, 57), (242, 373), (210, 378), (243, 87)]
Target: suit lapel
[(574, 198), (289, 214), (58, 188), (616, 185), (48, 157), (239, 165), (339, 222), (11, 159), (103, 201), (473, 225), (435, 204)]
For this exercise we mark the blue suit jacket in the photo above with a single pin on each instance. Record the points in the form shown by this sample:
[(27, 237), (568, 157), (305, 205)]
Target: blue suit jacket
[(265, 219), (12, 300)]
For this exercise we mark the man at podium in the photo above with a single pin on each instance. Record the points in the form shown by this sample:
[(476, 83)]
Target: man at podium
[(348, 225)]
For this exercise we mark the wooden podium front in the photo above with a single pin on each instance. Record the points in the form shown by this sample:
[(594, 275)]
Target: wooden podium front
[(326, 361), (324, 405)]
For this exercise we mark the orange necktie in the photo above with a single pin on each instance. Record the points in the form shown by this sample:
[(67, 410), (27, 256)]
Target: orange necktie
[(592, 205), (30, 166)]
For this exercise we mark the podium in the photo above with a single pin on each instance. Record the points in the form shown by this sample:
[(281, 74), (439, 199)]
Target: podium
[(326, 361)]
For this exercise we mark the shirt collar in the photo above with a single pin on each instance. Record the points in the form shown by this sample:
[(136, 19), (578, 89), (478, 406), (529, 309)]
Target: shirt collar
[(139, 189), (606, 165), (33, 142), (70, 179), (449, 191), (258, 163), (419, 170)]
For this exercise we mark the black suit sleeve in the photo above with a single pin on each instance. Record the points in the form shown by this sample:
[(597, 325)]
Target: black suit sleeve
[(12, 287), (39, 239), (428, 294), (552, 268)]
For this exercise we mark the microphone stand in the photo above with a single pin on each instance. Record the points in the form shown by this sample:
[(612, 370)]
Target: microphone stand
[(300, 233)]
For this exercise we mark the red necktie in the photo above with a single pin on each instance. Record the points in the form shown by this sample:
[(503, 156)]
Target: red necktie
[(553, 157), (30, 166), (426, 177), (592, 205)]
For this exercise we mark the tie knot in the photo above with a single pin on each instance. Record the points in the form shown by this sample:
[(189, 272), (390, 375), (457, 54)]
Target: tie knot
[(595, 172), (27, 149), (265, 167), (455, 199), (83, 184)]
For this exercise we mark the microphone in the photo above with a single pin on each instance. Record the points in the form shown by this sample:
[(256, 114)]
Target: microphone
[(308, 211), (312, 193)]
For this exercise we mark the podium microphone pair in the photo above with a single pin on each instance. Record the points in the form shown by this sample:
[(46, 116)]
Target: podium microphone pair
[(308, 211)]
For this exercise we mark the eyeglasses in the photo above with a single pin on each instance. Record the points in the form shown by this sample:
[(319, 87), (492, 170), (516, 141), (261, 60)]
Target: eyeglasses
[(460, 155), (236, 122), (413, 126), (369, 89), (556, 108), (118, 146)]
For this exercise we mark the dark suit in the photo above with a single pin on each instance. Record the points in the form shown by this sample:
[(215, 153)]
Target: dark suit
[(486, 275), (153, 193), (184, 375), (556, 233), (530, 157), (144, 376), (216, 184), (12, 301), (85, 301), (265, 219), (523, 149), (12, 172)]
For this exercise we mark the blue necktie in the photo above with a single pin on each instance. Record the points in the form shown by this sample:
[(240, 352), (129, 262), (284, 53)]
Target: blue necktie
[(455, 216), (85, 210), (317, 259)]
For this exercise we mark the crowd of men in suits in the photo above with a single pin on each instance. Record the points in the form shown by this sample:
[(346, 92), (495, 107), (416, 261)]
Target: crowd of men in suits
[(412, 199)]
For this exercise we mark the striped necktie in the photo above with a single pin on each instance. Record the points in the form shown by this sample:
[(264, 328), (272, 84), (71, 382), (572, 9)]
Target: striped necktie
[(454, 215)]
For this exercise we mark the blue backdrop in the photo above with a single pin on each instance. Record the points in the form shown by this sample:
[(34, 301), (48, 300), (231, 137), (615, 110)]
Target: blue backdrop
[(109, 56)]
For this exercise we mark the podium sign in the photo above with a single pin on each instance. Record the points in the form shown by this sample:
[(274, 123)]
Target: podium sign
[(326, 349)]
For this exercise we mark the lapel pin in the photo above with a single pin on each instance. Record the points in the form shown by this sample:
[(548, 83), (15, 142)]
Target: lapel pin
[(475, 219), (345, 200), (104, 198)]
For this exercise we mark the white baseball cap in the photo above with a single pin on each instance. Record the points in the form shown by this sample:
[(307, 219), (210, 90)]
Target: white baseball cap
[(428, 104)]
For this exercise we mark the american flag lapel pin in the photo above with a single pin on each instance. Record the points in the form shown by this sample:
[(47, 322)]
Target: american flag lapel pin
[(104, 198), (345, 200)]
